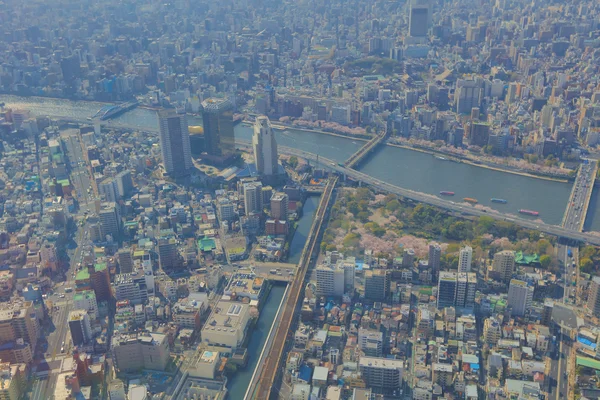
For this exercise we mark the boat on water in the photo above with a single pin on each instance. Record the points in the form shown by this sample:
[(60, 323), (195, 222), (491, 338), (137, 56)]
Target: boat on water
[(441, 158), (501, 201), (446, 193), (470, 200), (529, 212)]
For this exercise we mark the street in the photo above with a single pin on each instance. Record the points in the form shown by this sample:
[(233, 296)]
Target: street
[(43, 388)]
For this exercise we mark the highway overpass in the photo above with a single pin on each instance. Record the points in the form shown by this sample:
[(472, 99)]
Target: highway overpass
[(456, 207)]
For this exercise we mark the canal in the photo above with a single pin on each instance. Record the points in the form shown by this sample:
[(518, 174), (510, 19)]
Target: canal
[(238, 384), (406, 168)]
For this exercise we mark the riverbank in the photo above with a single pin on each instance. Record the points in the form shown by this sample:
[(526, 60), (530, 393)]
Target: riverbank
[(493, 167), (282, 127)]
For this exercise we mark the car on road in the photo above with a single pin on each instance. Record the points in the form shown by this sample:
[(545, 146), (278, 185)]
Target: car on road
[(62, 295)]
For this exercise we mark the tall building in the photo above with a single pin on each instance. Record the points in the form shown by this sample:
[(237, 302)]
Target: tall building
[(468, 95), (134, 351), (253, 198), (131, 287), (447, 285), (492, 331), (504, 265), (174, 139), (520, 297), (125, 260), (464, 259), (86, 300), (108, 190), (435, 254), (381, 373), (330, 280), (479, 134), (370, 342), (124, 183), (225, 209), (466, 286), (279, 206), (265, 147), (593, 302), (168, 255), (419, 17), (80, 327), (217, 120), (19, 331), (110, 223), (377, 284)]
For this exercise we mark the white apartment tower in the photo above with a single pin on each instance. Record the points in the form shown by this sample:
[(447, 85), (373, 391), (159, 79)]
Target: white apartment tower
[(265, 147), (464, 259), (520, 297)]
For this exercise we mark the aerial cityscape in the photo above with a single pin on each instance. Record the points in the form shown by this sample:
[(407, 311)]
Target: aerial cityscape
[(275, 199)]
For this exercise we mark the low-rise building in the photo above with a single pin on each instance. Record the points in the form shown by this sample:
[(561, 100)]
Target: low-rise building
[(227, 324)]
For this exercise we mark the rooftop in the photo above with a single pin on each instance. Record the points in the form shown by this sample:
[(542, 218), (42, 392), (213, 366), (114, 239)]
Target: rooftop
[(377, 362)]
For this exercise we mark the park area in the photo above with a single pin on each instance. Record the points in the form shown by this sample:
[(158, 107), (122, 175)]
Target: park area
[(386, 225)]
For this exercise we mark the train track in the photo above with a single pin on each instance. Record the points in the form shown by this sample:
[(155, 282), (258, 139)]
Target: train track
[(270, 368)]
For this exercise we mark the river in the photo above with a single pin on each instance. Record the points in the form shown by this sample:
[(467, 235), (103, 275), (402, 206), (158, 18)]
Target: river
[(406, 168)]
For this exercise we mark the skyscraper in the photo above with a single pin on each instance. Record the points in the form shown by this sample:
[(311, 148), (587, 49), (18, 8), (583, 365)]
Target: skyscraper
[(217, 119), (265, 147), (418, 18), (175, 143), (520, 296), (464, 259)]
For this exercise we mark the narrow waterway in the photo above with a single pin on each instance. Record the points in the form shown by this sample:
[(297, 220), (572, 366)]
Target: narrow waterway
[(238, 384), (406, 168), (299, 240)]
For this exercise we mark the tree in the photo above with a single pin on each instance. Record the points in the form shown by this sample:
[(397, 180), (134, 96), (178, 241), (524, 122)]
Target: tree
[(351, 240), (545, 260), (293, 161), (392, 205), (586, 265), (542, 246), (363, 216)]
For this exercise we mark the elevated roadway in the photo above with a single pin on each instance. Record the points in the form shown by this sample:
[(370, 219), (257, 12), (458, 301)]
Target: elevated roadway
[(261, 388), (459, 208)]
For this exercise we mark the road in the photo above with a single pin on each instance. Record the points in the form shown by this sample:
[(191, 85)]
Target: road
[(62, 305), (62, 302)]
